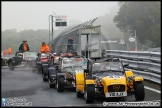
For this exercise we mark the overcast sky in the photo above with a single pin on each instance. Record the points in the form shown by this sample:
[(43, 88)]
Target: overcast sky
[(34, 15)]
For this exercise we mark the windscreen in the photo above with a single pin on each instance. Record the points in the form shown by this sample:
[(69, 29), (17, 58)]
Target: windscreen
[(106, 66), (74, 62), (30, 55), (44, 55)]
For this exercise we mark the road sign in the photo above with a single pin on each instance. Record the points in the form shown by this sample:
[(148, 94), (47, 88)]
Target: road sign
[(121, 41), (132, 39), (59, 24), (60, 18)]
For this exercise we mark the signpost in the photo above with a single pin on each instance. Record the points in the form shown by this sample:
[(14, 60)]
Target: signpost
[(60, 20), (131, 39)]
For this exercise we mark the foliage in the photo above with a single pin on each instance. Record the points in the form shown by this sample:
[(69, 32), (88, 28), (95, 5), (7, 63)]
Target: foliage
[(12, 38), (144, 17)]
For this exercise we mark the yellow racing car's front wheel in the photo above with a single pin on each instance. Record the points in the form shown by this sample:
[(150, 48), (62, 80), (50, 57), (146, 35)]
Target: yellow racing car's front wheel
[(139, 91), (89, 93)]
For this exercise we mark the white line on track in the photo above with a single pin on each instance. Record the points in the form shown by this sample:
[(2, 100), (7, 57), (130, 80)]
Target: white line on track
[(157, 91)]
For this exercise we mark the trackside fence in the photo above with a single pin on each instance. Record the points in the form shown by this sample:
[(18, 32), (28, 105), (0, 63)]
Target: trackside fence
[(145, 64)]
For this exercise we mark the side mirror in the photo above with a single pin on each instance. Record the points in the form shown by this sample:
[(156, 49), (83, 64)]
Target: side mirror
[(125, 65), (86, 70)]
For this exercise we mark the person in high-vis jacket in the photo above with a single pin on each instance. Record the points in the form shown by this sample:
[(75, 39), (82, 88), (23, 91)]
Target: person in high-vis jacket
[(24, 46), (44, 48), (48, 48), (4, 52), (9, 51)]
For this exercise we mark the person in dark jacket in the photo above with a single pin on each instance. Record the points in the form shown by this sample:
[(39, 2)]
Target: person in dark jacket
[(24, 46), (70, 45)]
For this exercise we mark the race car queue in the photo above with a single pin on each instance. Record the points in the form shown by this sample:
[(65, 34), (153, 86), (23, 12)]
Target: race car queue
[(106, 77)]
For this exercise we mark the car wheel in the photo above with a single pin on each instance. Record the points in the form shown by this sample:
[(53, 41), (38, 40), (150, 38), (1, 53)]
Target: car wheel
[(60, 84), (89, 93), (49, 82), (139, 91), (11, 66), (39, 69), (43, 76)]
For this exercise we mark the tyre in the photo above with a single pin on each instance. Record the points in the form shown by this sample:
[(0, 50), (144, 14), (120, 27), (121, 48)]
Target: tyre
[(36, 63), (139, 91), (79, 94), (10, 66), (2, 63), (89, 93), (39, 68), (49, 82), (43, 77), (60, 84)]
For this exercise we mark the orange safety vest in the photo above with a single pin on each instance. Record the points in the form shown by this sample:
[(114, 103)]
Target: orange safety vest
[(25, 47), (4, 52), (44, 48), (48, 49), (9, 50)]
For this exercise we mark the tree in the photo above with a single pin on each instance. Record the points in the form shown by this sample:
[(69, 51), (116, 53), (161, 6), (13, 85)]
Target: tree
[(144, 17)]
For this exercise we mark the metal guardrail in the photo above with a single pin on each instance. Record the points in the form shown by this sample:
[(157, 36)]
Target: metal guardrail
[(145, 64), (155, 49)]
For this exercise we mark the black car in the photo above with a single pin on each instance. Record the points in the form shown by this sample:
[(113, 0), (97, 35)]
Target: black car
[(46, 66), (63, 75), (42, 63), (23, 60)]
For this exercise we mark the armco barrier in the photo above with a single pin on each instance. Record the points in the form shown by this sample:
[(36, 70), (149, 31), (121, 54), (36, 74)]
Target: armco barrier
[(145, 64)]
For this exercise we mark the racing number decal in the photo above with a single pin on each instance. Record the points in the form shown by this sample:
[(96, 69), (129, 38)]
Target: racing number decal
[(130, 78)]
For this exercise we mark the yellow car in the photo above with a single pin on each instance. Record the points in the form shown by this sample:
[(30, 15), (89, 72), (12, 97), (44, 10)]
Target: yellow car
[(108, 78)]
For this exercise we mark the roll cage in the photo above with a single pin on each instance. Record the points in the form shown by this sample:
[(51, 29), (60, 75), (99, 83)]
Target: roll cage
[(106, 59)]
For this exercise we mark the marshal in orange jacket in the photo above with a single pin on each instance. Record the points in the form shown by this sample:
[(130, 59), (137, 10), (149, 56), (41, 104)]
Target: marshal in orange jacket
[(44, 48)]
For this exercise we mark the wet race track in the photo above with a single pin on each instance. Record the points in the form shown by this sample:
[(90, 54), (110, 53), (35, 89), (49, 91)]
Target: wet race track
[(21, 83)]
